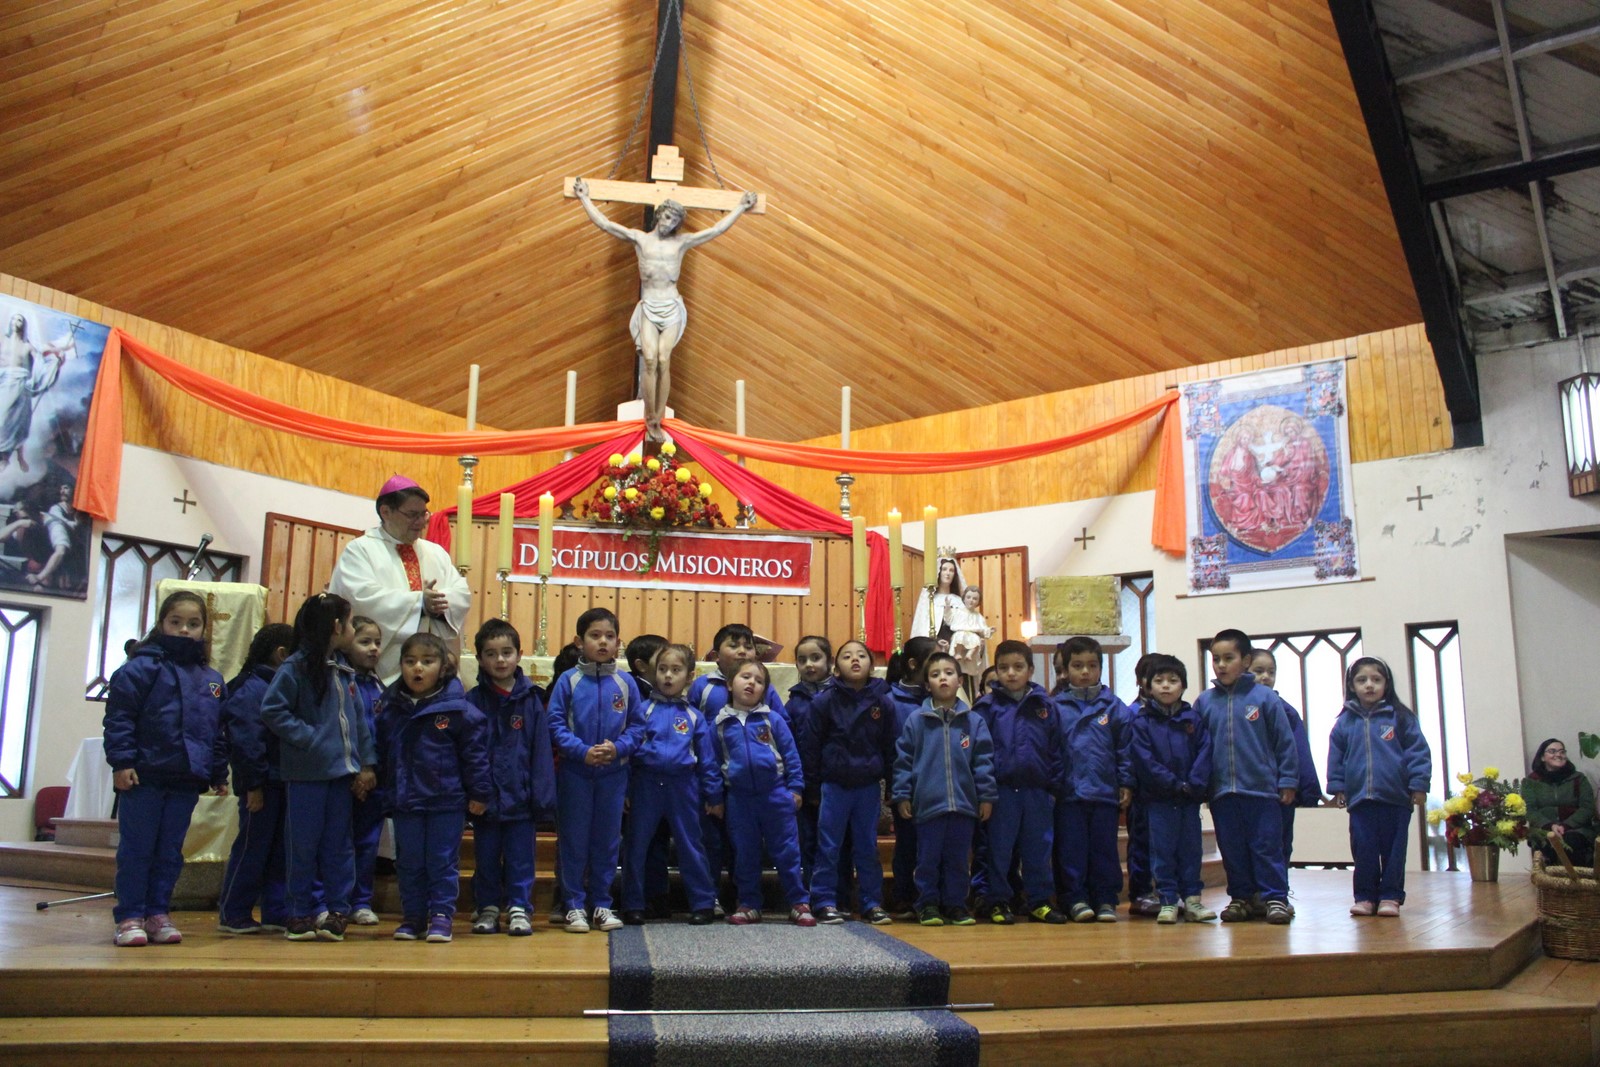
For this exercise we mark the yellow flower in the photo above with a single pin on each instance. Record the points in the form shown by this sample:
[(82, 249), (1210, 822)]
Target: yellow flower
[(1515, 804), (616, 459), (705, 489), (633, 458), (669, 449), (1465, 777), (658, 513), (610, 492), (682, 474), (1506, 826), (1435, 816), (1491, 773), (1457, 805), (1471, 793), (653, 463), (631, 493)]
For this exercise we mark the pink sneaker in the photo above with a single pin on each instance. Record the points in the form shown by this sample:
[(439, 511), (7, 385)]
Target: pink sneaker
[(801, 915), (130, 934), (1389, 909), (1362, 908), (160, 930)]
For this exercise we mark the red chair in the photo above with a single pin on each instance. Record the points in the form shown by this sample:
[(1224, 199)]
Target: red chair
[(49, 803)]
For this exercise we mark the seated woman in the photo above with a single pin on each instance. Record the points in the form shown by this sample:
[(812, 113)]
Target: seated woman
[(1561, 800)]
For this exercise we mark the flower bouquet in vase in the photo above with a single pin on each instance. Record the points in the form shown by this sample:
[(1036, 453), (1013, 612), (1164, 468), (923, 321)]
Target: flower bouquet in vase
[(651, 496), (1486, 817)]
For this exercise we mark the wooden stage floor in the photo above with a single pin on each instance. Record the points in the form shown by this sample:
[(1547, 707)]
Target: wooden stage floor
[(1460, 954)]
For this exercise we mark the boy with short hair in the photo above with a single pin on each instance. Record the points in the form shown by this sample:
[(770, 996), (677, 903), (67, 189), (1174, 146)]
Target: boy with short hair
[(1025, 727), (1254, 775), (1096, 786), (1171, 757)]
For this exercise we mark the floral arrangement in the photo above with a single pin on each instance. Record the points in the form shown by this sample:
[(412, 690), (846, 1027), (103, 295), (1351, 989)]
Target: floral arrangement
[(652, 495), (1487, 811)]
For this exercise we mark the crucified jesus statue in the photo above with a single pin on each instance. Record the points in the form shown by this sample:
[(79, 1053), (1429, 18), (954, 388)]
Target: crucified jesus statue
[(660, 316)]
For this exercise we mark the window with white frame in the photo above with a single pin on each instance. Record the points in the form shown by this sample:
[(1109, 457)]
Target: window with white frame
[(1139, 623), (1437, 696), (21, 628)]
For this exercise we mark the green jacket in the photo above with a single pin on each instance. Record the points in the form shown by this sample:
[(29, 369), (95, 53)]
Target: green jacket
[(1545, 801)]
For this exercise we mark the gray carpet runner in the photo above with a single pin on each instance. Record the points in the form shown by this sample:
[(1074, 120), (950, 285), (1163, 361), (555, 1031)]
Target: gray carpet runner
[(757, 969)]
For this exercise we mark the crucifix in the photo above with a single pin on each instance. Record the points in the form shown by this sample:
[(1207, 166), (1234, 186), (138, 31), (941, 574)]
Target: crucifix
[(1419, 498), (1084, 538)]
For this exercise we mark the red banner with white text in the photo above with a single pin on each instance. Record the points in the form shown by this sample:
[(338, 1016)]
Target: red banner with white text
[(712, 563)]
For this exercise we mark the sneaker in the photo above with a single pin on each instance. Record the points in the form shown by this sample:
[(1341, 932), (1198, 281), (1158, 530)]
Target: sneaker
[(801, 915), (1081, 913), (717, 911), (1147, 906), (577, 922), (1000, 915), (1195, 910), (633, 917), (605, 919), (364, 917), (744, 917), (239, 926), (1278, 913), (959, 916), (322, 915), (1389, 909), (828, 915), (270, 927), (558, 918), (1258, 907), (704, 917), (160, 931), (930, 916), (1044, 913), (518, 924), (130, 934), (1363, 908), (408, 930), (332, 928), (877, 917), (440, 929), (1237, 911), (300, 928), (486, 921), (1106, 914), (1168, 915)]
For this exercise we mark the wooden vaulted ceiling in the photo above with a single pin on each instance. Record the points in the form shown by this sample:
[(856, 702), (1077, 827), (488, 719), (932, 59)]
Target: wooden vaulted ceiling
[(970, 201)]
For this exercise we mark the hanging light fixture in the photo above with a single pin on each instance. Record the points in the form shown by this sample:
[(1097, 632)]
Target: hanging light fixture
[(1580, 408)]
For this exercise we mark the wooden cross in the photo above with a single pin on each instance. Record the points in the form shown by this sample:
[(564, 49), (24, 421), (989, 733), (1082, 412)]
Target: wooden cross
[(666, 171), (185, 501), (1084, 539), (1419, 498)]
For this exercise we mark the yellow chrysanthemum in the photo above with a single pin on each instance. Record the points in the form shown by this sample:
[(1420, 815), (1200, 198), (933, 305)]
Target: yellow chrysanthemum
[(682, 474), (1435, 816), (1491, 773), (669, 449), (616, 459), (633, 458), (1471, 793), (1457, 805), (1465, 777), (631, 493), (653, 463), (1506, 826), (658, 513), (1515, 804), (610, 492), (705, 489)]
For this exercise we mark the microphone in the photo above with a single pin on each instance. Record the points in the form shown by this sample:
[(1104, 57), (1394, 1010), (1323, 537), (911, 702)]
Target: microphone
[(194, 560)]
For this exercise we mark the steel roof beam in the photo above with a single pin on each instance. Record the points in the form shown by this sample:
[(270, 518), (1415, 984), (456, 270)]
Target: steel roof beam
[(1510, 172), (1473, 55)]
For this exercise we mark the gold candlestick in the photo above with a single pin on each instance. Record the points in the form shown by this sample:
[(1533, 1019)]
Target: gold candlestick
[(467, 463), (899, 613), (505, 592), (933, 615), (845, 481), (861, 603), (543, 648)]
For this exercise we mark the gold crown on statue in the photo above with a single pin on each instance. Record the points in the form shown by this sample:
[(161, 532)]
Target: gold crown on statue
[(947, 551)]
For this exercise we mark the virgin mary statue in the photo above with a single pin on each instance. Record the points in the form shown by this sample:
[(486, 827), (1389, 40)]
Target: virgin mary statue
[(935, 622)]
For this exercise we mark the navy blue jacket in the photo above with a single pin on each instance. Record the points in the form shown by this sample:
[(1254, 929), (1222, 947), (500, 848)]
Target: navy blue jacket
[(1096, 763), (757, 753), (522, 766), (1309, 791), (164, 715), (944, 763), (1378, 754), (798, 706), (849, 735), (434, 751), (590, 704), (1027, 738), (709, 693), (1252, 744), (252, 748), (677, 743), (907, 702), (320, 739), (1170, 752)]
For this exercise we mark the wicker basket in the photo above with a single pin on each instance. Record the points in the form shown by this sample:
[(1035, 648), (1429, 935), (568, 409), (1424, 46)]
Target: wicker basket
[(1569, 910)]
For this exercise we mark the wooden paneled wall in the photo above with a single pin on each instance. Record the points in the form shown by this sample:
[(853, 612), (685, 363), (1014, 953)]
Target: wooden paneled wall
[(297, 559), (1396, 409)]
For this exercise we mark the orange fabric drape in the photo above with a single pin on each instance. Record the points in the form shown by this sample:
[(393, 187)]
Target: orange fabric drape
[(1168, 526)]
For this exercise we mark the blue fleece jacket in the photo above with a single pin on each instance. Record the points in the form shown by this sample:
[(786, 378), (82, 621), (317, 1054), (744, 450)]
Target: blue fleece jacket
[(252, 748), (709, 693), (677, 743), (944, 763), (435, 754), (1378, 754), (1095, 728), (1170, 752), (1252, 744), (1027, 738), (757, 753), (164, 715), (522, 766), (798, 706), (589, 704), (907, 702), (849, 735), (324, 738)]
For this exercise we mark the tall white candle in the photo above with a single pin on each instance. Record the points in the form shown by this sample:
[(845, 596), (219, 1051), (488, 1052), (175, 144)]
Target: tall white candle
[(572, 397), (738, 406), (472, 398), (844, 418)]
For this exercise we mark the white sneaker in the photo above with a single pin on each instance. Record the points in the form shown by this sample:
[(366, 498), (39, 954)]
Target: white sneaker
[(1195, 910), (604, 920), (487, 921), (577, 922), (518, 924), (364, 917), (322, 916)]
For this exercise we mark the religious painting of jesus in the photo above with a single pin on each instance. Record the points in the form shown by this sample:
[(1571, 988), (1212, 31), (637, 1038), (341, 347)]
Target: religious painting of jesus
[(48, 363)]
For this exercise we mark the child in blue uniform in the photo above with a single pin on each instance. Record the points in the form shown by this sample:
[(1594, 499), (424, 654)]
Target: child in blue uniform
[(1171, 757), (256, 862), (165, 744), (1143, 900), (1097, 785), (596, 728), (366, 817), (908, 676), (1379, 766), (436, 771), (1025, 728), (641, 657), (763, 787), (848, 747), (327, 756), (1264, 665), (522, 774), (673, 777), (1254, 774), (813, 661), (944, 780)]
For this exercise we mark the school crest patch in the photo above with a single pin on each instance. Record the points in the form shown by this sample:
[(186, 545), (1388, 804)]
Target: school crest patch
[(216, 690), (764, 735), (619, 703), (1388, 733), (680, 724), (1104, 720), (441, 722), (966, 741), (1252, 713), (876, 713), (1043, 714), (516, 722)]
